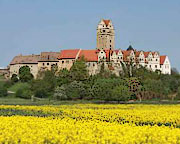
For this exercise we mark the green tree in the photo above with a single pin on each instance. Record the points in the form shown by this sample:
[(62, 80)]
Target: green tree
[(63, 77), (102, 88), (178, 94), (24, 92), (60, 93), (25, 74), (3, 91), (44, 85), (78, 71), (14, 78), (121, 93), (105, 73), (76, 90)]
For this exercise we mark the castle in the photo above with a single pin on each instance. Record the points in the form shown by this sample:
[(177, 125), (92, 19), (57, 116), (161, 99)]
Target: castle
[(105, 52)]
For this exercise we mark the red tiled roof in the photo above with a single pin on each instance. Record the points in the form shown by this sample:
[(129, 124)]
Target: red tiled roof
[(126, 54), (68, 54), (162, 59), (28, 59), (146, 54), (137, 53), (106, 22), (116, 51), (89, 55)]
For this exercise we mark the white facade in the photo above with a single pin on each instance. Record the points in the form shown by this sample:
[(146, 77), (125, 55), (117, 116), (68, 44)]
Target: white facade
[(165, 67)]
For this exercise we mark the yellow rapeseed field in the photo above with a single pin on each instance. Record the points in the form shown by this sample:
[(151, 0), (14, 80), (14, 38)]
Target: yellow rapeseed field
[(90, 123)]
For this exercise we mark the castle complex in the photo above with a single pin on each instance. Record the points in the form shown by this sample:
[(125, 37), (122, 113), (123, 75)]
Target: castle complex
[(104, 52)]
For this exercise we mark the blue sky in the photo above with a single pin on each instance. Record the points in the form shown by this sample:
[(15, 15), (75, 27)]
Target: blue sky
[(33, 26)]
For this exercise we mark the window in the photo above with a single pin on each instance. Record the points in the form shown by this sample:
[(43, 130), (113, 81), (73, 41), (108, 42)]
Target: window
[(67, 61), (47, 63), (62, 62), (156, 59), (104, 31), (110, 41), (43, 64), (110, 45), (93, 64), (56, 63), (155, 66), (150, 66)]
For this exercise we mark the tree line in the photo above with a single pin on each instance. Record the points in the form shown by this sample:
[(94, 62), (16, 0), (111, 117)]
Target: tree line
[(132, 84)]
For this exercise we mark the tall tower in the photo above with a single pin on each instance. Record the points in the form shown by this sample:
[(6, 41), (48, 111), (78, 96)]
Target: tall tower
[(105, 35)]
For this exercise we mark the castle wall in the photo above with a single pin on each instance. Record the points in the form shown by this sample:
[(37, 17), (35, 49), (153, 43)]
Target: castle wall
[(14, 69)]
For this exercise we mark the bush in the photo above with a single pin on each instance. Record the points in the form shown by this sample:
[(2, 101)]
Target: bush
[(3, 91), (121, 93), (178, 94), (8, 84), (25, 74), (60, 93), (76, 90), (44, 86), (14, 78), (102, 88), (41, 93), (24, 92)]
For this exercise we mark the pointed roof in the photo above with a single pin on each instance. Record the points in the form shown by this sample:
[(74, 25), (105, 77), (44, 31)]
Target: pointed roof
[(106, 22), (162, 59), (130, 48), (126, 54), (146, 54), (137, 53)]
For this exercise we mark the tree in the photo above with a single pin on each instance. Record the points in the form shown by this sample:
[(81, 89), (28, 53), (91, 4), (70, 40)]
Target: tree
[(44, 85), (78, 71), (102, 88), (60, 93), (24, 92), (105, 73), (14, 78), (25, 74), (178, 93), (76, 90), (63, 77), (174, 71), (3, 90), (121, 93), (134, 86)]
